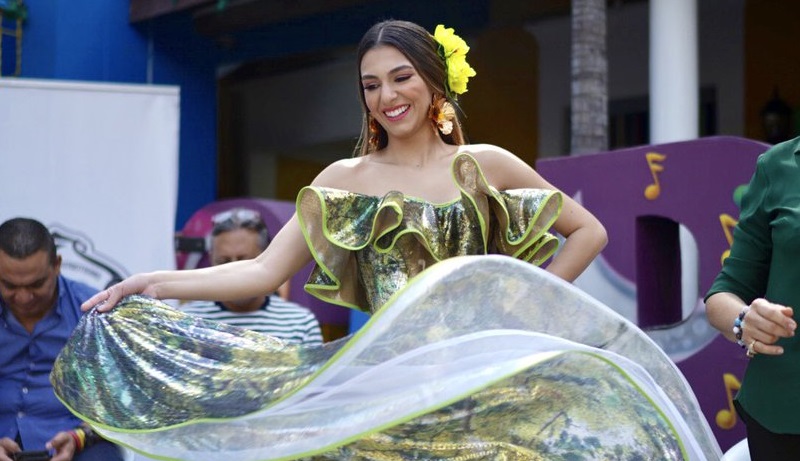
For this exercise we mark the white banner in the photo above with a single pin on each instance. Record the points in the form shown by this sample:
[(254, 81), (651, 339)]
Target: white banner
[(98, 164)]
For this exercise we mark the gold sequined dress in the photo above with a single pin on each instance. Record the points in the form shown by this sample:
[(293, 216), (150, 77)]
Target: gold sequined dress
[(472, 352)]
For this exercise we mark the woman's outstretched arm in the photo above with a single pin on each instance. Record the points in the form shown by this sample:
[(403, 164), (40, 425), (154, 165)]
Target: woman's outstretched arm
[(286, 254)]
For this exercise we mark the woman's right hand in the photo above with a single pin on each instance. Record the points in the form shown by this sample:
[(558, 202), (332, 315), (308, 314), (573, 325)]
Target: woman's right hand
[(108, 298), (765, 324)]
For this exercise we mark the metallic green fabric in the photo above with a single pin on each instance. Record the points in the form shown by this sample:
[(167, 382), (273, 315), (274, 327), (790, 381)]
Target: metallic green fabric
[(166, 367), (367, 248), (469, 355), (477, 358)]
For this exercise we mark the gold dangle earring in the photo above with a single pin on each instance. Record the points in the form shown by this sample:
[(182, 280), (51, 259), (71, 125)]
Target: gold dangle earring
[(442, 114), (374, 134)]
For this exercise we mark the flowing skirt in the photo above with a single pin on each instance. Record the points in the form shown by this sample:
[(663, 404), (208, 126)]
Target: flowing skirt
[(478, 358)]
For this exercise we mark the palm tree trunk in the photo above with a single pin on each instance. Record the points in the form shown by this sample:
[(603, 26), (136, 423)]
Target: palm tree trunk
[(589, 114)]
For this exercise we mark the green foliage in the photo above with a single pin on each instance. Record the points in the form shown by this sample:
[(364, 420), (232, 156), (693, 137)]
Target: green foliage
[(14, 9)]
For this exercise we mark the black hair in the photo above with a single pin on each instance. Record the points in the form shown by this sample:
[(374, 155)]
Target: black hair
[(23, 237)]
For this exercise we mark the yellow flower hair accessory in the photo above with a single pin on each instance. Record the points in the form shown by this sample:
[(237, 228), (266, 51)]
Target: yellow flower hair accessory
[(453, 50)]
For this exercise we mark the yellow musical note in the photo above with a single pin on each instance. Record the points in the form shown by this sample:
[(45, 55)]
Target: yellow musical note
[(652, 191), (728, 223), (726, 418)]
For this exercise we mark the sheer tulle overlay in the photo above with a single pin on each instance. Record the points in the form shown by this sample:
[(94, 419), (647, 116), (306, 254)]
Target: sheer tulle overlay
[(466, 357), (478, 357)]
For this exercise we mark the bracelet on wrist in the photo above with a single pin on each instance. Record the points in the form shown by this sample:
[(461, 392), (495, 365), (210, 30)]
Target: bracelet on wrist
[(738, 327), (77, 439), (90, 437)]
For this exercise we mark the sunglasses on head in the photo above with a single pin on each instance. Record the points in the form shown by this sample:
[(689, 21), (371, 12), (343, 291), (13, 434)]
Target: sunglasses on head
[(225, 221), (240, 215), (237, 218)]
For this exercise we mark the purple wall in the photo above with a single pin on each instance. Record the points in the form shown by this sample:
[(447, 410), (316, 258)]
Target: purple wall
[(641, 195)]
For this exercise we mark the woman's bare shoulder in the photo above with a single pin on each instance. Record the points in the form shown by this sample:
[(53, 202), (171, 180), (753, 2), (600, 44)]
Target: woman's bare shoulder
[(483, 149), (489, 155), (502, 168), (340, 174)]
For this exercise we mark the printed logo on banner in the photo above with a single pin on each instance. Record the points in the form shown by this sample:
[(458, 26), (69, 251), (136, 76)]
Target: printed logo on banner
[(81, 262)]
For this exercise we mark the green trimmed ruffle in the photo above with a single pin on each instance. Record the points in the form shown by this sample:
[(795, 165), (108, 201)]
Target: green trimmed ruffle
[(480, 357), (367, 248)]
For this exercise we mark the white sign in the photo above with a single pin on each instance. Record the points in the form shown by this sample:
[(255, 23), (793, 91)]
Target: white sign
[(98, 164)]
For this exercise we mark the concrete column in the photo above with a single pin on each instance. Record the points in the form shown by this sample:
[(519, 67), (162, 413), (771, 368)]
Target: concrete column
[(674, 82)]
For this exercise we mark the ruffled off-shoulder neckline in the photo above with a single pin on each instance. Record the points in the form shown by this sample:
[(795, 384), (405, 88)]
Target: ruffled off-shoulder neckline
[(337, 224)]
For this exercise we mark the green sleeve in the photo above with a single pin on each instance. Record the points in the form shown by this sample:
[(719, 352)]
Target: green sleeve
[(746, 270)]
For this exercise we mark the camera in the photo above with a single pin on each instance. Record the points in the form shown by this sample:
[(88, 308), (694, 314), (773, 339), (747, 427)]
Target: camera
[(37, 455)]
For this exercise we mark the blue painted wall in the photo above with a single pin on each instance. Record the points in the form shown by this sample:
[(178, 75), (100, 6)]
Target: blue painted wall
[(93, 41), (181, 57)]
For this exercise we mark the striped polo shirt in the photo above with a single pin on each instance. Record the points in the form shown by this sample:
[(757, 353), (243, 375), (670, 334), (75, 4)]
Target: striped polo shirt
[(276, 317)]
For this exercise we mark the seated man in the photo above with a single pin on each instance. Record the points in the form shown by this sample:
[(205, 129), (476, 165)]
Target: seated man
[(39, 308), (238, 234)]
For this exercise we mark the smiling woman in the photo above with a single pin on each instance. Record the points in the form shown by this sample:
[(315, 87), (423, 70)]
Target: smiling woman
[(472, 351), (404, 60)]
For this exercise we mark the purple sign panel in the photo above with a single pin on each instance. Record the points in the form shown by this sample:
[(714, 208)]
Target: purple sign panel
[(669, 210)]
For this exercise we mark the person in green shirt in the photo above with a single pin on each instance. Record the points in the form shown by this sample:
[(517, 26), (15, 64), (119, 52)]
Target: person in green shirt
[(751, 302)]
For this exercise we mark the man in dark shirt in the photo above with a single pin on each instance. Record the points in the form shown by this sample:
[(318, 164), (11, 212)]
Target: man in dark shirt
[(39, 308)]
